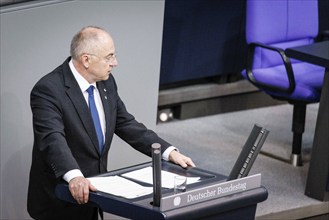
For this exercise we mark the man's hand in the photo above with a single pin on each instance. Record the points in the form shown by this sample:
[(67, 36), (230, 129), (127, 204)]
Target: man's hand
[(79, 188), (180, 159)]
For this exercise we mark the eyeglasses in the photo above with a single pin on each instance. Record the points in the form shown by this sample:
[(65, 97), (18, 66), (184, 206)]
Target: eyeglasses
[(107, 59)]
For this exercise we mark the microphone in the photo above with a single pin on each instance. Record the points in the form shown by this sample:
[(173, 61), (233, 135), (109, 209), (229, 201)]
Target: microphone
[(156, 165)]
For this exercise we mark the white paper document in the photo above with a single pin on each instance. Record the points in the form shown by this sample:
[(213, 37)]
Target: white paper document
[(167, 178), (120, 186)]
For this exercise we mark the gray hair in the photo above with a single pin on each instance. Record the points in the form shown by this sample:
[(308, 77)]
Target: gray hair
[(85, 41)]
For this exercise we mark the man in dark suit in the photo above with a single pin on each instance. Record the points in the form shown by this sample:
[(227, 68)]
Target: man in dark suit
[(68, 144)]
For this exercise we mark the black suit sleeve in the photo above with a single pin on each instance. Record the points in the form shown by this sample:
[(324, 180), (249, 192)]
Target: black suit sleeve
[(133, 132), (50, 143)]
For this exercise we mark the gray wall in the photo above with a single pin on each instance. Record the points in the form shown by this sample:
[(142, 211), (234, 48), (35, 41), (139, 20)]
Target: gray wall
[(35, 40)]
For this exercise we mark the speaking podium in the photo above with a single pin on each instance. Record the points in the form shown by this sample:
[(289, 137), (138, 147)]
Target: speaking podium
[(206, 203)]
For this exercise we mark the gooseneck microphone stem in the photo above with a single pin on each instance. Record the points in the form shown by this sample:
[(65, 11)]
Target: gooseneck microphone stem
[(156, 165)]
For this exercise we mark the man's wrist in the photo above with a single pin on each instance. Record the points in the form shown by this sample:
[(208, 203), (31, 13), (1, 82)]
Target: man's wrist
[(68, 176), (167, 152)]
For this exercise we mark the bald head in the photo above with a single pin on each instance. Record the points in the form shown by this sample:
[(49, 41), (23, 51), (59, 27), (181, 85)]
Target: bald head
[(89, 39), (93, 53)]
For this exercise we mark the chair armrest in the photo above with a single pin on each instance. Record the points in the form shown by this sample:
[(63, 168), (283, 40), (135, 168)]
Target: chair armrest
[(286, 62)]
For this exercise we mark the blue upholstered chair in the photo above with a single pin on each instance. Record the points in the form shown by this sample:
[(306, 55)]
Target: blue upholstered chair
[(271, 27)]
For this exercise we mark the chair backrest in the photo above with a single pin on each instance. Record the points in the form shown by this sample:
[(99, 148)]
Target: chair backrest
[(280, 23)]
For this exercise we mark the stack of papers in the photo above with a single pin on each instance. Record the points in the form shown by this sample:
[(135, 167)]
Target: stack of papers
[(120, 186), (167, 179)]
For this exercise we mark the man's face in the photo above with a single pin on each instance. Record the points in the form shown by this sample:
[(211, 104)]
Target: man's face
[(103, 61)]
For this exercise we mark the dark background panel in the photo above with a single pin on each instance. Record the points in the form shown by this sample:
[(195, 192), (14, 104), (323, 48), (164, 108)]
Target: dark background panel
[(201, 38)]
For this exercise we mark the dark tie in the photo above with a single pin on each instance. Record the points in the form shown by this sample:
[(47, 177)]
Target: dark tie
[(94, 115)]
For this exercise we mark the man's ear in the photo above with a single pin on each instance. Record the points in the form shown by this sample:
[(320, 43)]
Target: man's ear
[(85, 59)]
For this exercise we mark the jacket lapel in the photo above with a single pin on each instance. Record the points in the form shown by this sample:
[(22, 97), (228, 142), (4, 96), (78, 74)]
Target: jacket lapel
[(74, 93), (108, 102)]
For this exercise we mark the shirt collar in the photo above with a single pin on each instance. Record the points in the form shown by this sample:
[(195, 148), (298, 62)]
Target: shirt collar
[(83, 83)]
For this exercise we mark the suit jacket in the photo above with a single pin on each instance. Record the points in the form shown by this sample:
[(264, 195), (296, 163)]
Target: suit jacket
[(65, 139)]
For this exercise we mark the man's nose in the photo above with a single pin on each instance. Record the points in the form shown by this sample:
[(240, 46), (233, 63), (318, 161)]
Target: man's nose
[(114, 62)]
